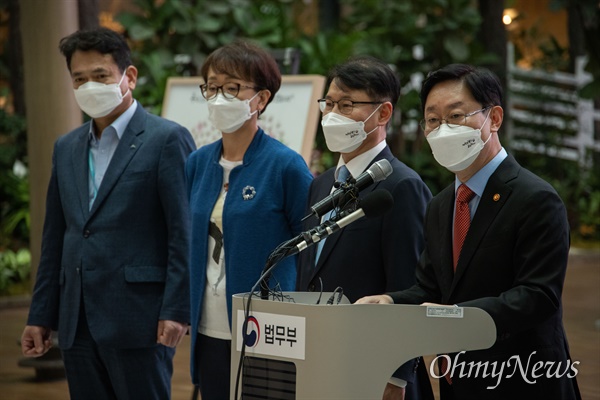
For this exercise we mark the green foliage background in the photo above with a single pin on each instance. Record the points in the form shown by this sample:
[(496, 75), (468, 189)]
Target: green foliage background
[(173, 37)]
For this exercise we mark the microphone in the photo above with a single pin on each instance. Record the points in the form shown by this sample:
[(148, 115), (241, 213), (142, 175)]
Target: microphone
[(373, 205), (375, 173)]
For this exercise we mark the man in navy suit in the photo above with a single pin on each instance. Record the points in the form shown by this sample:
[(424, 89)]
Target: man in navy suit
[(113, 275), (503, 247), (373, 254)]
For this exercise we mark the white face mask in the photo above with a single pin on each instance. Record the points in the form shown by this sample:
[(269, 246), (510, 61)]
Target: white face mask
[(98, 99), (456, 148), (343, 134), (228, 116)]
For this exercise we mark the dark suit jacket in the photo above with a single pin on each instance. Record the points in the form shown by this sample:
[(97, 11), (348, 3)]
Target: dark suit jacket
[(513, 266), (372, 255), (126, 259)]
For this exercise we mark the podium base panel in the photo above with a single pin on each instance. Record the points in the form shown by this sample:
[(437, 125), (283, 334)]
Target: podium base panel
[(265, 378)]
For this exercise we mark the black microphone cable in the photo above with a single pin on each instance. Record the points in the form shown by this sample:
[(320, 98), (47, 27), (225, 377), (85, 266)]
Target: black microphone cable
[(340, 293), (321, 292), (374, 204), (272, 262)]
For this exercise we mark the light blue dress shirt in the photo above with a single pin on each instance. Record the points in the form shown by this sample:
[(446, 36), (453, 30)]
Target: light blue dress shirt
[(102, 150), (478, 181)]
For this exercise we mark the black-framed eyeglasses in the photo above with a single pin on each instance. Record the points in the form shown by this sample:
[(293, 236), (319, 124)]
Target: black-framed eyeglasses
[(453, 120), (345, 106), (230, 90)]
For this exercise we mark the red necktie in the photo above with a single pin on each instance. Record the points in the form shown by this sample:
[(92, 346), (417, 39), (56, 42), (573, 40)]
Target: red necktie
[(445, 370), (462, 219)]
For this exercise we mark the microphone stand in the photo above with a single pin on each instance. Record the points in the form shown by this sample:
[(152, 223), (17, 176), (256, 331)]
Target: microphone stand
[(374, 204), (347, 193), (288, 247)]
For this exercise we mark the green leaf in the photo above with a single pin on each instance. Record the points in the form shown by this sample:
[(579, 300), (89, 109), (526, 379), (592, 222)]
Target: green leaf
[(207, 23), (141, 32), (181, 26), (127, 19), (457, 48)]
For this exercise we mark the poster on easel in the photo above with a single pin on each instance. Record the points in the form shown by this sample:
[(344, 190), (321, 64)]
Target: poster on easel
[(291, 117)]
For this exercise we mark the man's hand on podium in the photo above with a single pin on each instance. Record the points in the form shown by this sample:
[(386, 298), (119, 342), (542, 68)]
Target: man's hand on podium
[(438, 305), (393, 392), (379, 299)]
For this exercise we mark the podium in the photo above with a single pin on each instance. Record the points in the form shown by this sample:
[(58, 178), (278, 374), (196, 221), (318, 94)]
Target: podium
[(298, 349)]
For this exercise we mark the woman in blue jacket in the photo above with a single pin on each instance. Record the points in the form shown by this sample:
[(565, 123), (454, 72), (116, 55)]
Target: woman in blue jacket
[(248, 194)]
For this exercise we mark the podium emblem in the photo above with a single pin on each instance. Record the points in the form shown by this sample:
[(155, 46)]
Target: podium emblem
[(252, 336)]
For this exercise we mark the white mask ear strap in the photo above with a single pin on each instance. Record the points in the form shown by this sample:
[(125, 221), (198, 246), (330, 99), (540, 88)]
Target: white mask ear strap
[(488, 139), (484, 122), (365, 121), (123, 76), (253, 97), (486, 118), (121, 81), (248, 102), (374, 111)]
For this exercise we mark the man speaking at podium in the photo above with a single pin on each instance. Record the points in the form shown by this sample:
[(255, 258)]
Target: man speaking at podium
[(496, 239), (372, 255)]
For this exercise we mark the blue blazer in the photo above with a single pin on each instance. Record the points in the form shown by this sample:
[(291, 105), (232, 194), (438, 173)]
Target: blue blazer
[(126, 259), (252, 228)]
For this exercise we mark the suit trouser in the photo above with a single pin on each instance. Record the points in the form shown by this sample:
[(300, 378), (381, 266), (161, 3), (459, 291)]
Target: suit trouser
[(213, 358), (105, 373)]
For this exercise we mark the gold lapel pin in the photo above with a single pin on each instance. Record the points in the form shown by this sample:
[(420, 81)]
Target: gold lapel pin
[(496, 197)]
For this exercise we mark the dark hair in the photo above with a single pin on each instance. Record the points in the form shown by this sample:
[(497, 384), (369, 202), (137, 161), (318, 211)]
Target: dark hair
[(483, 84), (368, 74), (244, 60), (102, 40)]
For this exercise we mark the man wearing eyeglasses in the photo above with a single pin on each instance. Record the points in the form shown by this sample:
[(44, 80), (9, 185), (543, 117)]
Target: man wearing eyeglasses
[(375, 254), (496, 239)]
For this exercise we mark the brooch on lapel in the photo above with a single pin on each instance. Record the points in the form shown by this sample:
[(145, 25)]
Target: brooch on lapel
[(248, 192)]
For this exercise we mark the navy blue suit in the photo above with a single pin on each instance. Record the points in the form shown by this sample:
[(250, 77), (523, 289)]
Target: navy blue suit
[(372, 255), (123, 265)]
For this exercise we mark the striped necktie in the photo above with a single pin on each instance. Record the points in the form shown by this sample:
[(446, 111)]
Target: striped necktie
[(342, 175)]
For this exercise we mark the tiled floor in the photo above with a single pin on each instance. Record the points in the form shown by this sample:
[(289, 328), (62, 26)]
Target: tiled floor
[(581, 317)]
